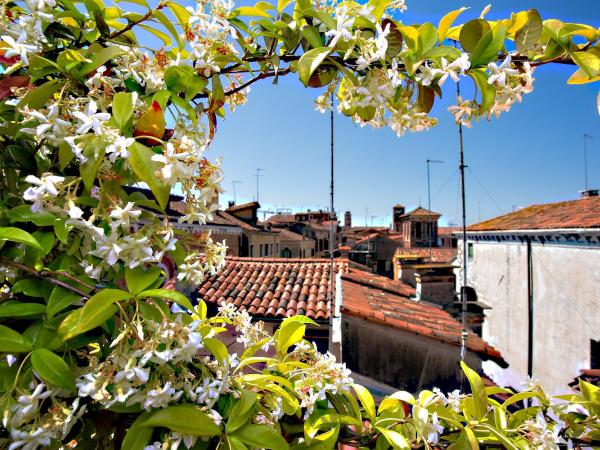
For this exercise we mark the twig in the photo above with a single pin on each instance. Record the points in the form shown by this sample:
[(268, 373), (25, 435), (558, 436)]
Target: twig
[(130, 25), (43, 275)]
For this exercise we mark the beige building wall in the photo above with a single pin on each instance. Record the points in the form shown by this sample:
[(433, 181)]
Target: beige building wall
[(566, 299), (269, 242)]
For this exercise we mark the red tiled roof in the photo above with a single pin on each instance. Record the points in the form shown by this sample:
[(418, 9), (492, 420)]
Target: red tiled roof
[(422, 212), (438, 254), (448, 230), (372, 298), (273, 287), (581, 213), (282, 218), (243, 206)]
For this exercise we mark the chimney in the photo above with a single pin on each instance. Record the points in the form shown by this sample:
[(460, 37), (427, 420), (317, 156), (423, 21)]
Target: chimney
[(436, 284), (231, 203), (589, 193), (348, 219)]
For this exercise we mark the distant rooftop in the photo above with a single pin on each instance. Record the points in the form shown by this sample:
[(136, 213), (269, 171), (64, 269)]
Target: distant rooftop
[(581, 213)]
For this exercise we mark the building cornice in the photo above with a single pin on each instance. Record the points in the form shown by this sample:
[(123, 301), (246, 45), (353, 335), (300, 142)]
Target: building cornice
[(570, 236)]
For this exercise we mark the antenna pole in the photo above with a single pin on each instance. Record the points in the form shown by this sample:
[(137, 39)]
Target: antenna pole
[(258, 175), (463, 288)]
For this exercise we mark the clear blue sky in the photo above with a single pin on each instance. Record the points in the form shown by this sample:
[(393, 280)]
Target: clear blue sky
[(533, 154)]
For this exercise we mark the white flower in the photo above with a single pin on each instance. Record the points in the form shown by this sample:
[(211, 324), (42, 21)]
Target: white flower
[(427, 74), (91, 119), (122, 216), (74, 211), (29, 440), (381, 42), (19, 48), (343, 25), (119, 148), (10, 360), (501, 72), (159, 398), (51, 126), (176, 164), (47, 186)]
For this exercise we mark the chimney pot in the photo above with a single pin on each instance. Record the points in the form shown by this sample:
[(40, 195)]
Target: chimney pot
[(589, 193)]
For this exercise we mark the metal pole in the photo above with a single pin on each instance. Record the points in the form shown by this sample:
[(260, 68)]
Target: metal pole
[(257, 175), (463, 289), (429, 161), (331, 207)]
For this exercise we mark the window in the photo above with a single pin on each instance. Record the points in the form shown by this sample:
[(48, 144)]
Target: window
[(251, 250), (595, 354), (260, 250), (418, 230), (470, 250), (287, 253)]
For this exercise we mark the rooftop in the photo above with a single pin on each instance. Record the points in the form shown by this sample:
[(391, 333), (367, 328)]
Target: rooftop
[(422, 212), (273, 287), (243, 206), (374, 298), (581, 213), (438, 254)]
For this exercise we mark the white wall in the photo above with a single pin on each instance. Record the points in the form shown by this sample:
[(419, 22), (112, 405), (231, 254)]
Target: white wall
[(566, 292)]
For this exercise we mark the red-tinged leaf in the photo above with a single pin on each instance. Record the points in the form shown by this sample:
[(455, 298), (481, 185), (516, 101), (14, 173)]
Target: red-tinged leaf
[(7, 83), (152, 122)]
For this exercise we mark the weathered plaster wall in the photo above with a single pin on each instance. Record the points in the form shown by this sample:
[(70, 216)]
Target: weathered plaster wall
[(566, 292), (403, 360)]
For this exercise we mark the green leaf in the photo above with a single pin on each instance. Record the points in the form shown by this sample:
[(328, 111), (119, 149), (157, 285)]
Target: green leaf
[(258, 10), (472, 32), (427, 37), (412, 39), (180, 13), (242, 411), (159, 34), (97, 310), (52, 369), (140, 159), (17, 235), (289, 334), (20, 309), (379, 7), (489, 46), (139, 278), (588, 61), (488, 93), (261, 436), (312, 36), (447, 21), (122, 108), (94, 150), (282, 4), (138, 436), (186, 419), (396, 439), (504, 440), (99, 57), (217, 348), (23, 213), (477, 389), (37, 98), (366, 399), (467, 440), (61, 299), (167, 294), (309, 62), (528, 35), (31, 287), (13, 342)]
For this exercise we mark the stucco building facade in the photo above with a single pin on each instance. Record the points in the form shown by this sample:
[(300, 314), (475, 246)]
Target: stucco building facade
[(538, 269)]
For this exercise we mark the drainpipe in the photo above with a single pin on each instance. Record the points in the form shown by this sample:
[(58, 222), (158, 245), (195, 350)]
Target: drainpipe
[(530, 309)]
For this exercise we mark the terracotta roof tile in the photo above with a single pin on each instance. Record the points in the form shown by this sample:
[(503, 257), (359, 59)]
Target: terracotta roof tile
[(371, 297), (440, 254), (273, 287), (581, 213)]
